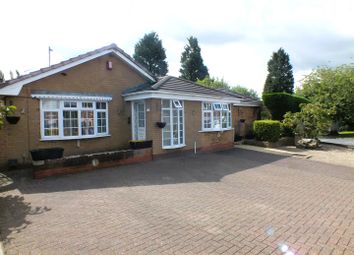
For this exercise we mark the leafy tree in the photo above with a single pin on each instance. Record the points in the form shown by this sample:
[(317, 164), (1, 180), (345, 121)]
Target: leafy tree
[(312, 121), (214, 83), (280, 74), (2, 77), (333, 89), (150, 53), (192, 66), (245, 91)]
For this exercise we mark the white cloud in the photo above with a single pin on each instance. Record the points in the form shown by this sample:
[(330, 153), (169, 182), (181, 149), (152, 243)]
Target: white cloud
[(237, 37)]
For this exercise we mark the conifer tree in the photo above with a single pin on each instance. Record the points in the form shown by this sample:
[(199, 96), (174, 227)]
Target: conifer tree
[(280, 74), (192, 66), (150, 53)]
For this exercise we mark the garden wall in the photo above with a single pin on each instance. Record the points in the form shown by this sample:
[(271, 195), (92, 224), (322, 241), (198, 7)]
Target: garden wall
[(87, 162)]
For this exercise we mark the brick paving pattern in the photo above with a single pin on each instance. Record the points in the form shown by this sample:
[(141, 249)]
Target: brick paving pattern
[(232, 202)]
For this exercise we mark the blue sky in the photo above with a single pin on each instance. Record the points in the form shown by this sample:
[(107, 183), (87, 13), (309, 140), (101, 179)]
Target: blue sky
[(237, 37)]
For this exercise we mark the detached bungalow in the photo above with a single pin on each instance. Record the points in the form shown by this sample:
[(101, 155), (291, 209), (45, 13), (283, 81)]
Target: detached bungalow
[(100, 100)]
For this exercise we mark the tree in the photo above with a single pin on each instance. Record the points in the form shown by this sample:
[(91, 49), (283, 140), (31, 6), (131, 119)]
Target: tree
[(150, 53), (2, 77), (214, 83), (192, 66), (245, 91), (280, 74), (333, 89)]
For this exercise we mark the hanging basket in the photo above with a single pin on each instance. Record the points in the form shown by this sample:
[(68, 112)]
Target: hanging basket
[(160, 124), (12, 119)]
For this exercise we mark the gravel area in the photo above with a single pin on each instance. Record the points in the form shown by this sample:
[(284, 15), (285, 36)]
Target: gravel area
[(333, 154), (347, 141)]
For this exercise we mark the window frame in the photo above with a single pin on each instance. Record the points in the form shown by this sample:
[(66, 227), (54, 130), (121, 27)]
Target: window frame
[(79, 109), (205, 108), (179, 107)]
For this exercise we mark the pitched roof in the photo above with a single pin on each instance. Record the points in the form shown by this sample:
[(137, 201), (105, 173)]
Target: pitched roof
[(170, 84), (44, 72)]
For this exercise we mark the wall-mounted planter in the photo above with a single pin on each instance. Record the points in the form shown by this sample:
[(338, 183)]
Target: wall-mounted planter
[(160, 124), (44, 154), (12, 119), (135, 145), (242, 120)]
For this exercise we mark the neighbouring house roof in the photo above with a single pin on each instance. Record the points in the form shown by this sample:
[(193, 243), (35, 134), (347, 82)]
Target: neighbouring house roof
[(169, 87), (14, 86)]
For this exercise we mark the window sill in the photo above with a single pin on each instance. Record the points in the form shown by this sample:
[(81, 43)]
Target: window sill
[(173, 147), (72, 138), (215, 130)]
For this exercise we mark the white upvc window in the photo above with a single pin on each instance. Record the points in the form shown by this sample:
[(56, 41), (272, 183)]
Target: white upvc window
[(70, 119), (172, 112), (216, 116)]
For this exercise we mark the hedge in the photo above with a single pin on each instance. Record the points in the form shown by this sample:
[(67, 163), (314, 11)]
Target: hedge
[(267, 130), (346, 134), (279, 103)]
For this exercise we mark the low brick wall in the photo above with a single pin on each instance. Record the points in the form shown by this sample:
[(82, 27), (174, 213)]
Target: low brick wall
[(205, 149), (87, 162), (216, 147)]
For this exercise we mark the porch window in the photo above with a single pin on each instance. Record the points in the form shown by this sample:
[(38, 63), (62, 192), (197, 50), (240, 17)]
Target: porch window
[(216, 116), (172, 112), (67, 119)]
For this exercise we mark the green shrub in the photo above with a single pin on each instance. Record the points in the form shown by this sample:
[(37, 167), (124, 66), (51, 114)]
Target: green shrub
[(267, 130), (313, 120), (279, 103), (286, 131), (265, 115)]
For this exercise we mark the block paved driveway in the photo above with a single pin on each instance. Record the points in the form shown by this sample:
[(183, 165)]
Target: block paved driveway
[(231, 202)]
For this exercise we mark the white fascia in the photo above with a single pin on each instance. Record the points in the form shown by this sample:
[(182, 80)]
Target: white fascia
[(164, 94), (15, 88), (73, 97)]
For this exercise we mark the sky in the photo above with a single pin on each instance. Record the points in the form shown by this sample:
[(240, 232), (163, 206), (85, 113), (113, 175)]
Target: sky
[(237, 37)]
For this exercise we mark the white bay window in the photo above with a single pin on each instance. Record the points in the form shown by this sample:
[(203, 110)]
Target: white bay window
[(216, 116), (69, 119)]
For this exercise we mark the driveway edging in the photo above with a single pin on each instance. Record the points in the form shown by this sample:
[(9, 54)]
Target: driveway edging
[(272, 151)]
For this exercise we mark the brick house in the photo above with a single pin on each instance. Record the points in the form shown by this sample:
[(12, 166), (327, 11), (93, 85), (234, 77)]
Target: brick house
[(100, 100)]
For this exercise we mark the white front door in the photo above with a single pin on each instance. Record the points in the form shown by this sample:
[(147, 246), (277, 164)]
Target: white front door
[(139, 122)]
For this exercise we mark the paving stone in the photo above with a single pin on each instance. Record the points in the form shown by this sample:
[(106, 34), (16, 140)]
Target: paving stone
[(232, 202)]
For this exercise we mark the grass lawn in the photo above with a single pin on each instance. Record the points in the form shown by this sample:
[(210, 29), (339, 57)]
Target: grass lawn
[(346, 134)]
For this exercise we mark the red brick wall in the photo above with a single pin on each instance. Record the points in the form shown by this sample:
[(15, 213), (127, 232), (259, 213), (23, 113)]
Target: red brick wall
[(249, 114)]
